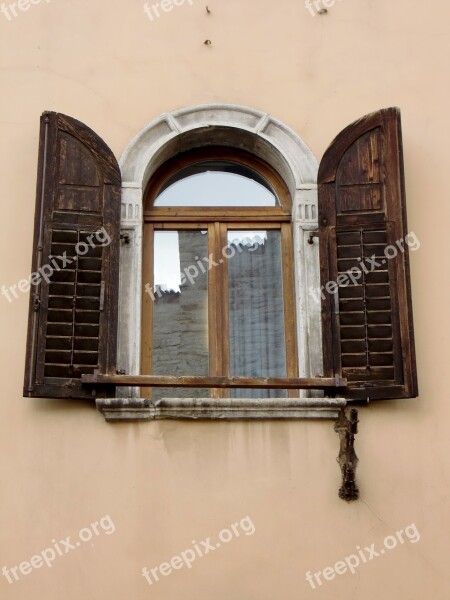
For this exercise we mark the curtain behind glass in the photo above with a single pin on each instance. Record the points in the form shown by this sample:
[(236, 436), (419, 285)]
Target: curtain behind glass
[(256, 310)]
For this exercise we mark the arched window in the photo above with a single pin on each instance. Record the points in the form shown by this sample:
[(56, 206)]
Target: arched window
[(215, 267), (218, 278)]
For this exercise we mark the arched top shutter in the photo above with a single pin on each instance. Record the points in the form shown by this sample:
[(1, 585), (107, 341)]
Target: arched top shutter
[(366, 298), (72, 327)]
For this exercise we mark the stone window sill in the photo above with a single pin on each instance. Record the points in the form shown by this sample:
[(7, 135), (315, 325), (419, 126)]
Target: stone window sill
[(221, 409)]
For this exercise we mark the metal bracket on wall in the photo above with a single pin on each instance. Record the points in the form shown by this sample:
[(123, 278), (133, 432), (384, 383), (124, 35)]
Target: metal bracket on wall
[(311, 237), (347, 428)]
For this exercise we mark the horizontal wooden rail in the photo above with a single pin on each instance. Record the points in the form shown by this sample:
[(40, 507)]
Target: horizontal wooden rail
[(315, 383)]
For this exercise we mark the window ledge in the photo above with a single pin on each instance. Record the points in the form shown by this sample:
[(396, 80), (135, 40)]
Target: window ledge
[(221, 409)]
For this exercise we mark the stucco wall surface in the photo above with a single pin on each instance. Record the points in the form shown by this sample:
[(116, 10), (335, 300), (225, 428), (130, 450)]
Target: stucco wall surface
[(164, 484)]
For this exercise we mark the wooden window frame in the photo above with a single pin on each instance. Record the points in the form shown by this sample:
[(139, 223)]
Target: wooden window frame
[(218, 221)]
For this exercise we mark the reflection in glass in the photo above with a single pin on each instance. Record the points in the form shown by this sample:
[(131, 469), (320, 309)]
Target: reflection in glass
[(256, 311), (216, 183), (180, 309)]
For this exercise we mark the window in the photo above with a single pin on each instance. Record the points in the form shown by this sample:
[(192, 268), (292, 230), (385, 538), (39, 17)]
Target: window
[(218, 294), (238, 318)]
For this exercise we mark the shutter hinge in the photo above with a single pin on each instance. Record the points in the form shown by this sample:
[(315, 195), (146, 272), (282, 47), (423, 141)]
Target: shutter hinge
[(336, 303), (102, 295), (36, 302)]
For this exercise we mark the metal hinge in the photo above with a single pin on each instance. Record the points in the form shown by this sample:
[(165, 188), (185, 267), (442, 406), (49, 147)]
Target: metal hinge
[(336, 302), (36, 302)]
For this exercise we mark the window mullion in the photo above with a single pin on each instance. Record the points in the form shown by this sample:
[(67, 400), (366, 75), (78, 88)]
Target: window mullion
[(224, 298), (289, 304), (218, 306)]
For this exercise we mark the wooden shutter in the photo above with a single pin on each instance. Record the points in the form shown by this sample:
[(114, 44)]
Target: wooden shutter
[(72, 326), (367, 321)]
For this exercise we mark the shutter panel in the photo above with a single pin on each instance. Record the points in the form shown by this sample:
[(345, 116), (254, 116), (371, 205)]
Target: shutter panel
[(72, 327), (367, 320)]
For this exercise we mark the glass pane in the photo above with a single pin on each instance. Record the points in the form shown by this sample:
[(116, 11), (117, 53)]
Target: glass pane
[(216, 183), (256, 311), (180, 309)]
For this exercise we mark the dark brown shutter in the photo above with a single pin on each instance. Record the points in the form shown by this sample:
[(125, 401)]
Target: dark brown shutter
[(72, 326), (367, 321)]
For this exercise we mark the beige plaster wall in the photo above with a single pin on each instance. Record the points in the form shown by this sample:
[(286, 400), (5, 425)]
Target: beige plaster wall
[(165, 484)]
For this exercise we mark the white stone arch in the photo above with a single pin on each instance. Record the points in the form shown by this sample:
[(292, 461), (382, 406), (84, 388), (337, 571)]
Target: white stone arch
[(234, 126)]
